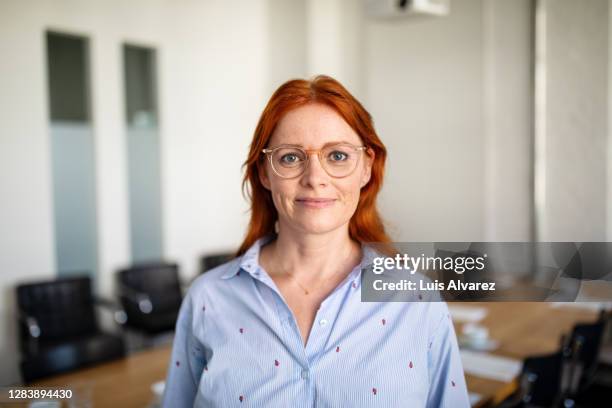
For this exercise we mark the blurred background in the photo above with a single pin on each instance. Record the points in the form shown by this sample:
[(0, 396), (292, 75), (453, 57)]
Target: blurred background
[(124, 124)]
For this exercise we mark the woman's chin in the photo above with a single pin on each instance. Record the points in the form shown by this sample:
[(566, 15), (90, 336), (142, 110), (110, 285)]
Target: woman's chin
[(320, 226)]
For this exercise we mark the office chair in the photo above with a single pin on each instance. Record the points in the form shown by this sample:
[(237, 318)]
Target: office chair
[(58, 328), (565, 378), (208, 262), (583, 349), (151, 296), (539, 382)]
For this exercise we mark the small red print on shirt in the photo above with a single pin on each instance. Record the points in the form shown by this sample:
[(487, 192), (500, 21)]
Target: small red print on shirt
[(452, 383), (241, 398), (354, 285), (410, 365), (384, 322), (241, 330), (338, 349), (374, 391), (276, 363)]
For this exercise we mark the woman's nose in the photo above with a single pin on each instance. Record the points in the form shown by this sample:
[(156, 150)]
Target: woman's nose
[(315, 174)]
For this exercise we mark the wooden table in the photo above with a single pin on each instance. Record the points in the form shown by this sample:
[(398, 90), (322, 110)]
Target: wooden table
[(117, 384), (522, 329)]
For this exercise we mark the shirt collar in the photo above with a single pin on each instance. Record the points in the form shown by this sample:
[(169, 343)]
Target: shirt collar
[(250, 260)]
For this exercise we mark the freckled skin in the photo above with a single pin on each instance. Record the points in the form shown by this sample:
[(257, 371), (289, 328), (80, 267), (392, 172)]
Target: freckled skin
[(312, 126)]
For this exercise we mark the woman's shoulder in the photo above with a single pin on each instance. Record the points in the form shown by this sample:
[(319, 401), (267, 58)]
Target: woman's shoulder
[(215, 276)]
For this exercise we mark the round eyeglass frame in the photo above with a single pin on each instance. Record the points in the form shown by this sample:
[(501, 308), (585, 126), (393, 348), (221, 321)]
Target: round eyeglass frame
[(308, 153)]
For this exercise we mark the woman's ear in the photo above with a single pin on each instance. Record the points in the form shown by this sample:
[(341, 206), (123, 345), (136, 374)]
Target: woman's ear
[(367, 168), (263, 175)]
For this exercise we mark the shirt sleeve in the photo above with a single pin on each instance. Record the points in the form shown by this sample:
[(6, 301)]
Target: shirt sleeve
[(447, 386), (186, 363)]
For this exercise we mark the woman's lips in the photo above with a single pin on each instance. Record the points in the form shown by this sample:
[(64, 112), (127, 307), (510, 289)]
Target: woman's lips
[(316, 202)]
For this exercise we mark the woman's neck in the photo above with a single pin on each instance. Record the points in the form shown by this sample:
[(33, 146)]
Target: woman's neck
[(311, 258)]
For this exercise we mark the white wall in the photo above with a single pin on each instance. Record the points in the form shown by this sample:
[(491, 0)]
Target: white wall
[(214, 90), (286, 41), (212, 59), (457, 130), (508, 119), (335, 46), (609, 176), (576, 121), (26, 237), (424, 82)]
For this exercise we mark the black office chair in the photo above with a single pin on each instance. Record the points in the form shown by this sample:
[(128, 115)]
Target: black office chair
[(539, 382), (59, 330), (208, 262), (564, 378), (151, 297), (583, 348)]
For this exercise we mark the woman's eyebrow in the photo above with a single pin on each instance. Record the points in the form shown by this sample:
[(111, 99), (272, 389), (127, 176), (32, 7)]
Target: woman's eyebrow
[(286, 145), (335, 142)]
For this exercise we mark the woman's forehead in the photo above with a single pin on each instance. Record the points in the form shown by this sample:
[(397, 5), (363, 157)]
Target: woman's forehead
[(313, 126)]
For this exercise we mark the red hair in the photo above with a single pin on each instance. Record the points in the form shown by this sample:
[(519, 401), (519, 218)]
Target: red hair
[(365, 224)]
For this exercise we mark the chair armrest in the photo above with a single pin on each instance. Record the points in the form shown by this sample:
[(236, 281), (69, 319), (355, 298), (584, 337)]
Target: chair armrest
[(141, 299), (119, 314), (185, 286), (31, 323)]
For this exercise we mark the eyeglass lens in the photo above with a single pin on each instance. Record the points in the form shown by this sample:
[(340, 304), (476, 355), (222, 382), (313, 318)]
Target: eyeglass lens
[(337, 160)]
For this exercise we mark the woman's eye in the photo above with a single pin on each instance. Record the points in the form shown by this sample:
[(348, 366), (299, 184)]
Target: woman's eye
[(338, 156), (289, 158)]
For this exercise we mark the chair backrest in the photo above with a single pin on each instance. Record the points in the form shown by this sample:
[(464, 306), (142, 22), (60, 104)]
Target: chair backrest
[(160, 281), (584, 346), (549, 379), (63, 308), (208, 262), (541, 379)]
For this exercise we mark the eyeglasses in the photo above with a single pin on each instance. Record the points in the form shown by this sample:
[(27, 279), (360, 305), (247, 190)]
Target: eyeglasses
[(338, 160)]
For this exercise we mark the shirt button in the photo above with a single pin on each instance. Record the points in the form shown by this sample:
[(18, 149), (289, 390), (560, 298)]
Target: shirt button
[(323, 322), (305, 374)]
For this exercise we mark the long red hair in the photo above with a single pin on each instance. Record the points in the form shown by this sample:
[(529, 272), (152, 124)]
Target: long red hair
[(365, 225)]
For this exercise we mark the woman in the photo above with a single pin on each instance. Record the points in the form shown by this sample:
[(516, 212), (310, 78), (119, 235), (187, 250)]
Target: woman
[(283, 324)]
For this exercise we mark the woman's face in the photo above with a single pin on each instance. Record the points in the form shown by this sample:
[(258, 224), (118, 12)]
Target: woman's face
[(315, 202)]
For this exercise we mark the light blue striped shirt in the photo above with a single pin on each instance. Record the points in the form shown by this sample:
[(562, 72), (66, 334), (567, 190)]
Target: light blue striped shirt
[(238, 344)]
